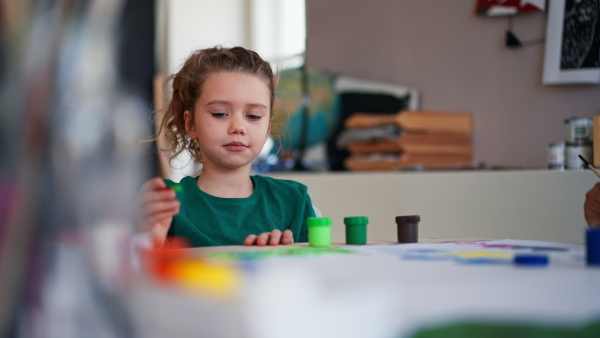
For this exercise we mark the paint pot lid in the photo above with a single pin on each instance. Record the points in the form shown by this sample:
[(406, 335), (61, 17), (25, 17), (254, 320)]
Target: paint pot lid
[(579, 143), (531, 259), (319, 221), (408, 219), (557, 144), (358, 220), (575, 118)]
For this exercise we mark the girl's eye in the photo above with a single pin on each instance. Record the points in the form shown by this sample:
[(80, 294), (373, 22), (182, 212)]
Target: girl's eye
[(218, 115), (253, 117)]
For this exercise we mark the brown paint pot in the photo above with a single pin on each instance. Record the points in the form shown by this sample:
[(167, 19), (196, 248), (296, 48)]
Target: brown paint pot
[(408, 228)]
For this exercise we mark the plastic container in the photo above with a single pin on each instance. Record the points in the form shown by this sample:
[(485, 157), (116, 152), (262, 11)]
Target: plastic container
[(556, 155), (592, 246), (408, 228), (572, 152), (578, 129), (319, 231), (356, 229)]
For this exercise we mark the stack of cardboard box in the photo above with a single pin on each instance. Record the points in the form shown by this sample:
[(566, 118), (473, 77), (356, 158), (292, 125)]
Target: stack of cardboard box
[(410, 139)]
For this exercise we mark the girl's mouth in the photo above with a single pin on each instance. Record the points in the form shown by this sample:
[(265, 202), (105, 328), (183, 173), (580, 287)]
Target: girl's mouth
[(235, 146)]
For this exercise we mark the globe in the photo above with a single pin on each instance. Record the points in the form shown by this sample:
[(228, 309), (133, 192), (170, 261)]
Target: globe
[(323, 110)]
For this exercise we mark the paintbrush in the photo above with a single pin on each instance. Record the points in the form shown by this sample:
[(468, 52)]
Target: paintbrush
[(589, 165)]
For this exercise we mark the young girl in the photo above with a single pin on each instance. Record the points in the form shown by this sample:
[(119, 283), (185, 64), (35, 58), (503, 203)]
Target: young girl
[(221, 113)]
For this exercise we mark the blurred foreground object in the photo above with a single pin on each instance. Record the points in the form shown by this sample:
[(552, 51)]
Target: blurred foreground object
[(71, 181)]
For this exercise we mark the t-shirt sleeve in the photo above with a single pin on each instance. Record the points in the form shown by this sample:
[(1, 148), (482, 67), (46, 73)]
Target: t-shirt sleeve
[(308, 212)]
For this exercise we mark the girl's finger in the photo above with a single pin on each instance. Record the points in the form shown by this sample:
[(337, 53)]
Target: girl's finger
[(157, 221), (263, 239), (153, 184), (159, 207), (250, 240), (275, 237), (287, 237), (157, 195), (593, 206)]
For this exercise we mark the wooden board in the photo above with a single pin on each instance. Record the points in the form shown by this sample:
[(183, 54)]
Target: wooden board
[(416, 143), (416, 121)]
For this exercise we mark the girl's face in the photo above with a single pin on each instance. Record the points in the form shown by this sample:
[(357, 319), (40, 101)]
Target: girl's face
[(231, 119)]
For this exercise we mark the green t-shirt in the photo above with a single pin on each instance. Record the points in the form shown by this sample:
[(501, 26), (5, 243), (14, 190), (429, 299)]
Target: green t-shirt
[(206, 220)]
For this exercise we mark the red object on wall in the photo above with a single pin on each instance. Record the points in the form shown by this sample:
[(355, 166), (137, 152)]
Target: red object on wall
[(508, 7)]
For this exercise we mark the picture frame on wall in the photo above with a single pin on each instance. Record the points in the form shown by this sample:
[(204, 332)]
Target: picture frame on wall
[(508, 7), (572, 52)]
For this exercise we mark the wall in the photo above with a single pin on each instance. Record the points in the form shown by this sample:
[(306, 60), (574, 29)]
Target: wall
[(459, 62), (195, 24), (526, 204), (184, 26)]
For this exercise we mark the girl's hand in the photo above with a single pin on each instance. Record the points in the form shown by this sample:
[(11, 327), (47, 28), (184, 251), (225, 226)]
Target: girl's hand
[(274, 237), (591, 206), (157, 206)]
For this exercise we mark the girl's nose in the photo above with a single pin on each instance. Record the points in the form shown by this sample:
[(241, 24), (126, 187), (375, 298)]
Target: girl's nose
[(237, 125)]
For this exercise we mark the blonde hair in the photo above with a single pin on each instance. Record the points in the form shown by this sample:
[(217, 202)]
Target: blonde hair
[(187, 88)]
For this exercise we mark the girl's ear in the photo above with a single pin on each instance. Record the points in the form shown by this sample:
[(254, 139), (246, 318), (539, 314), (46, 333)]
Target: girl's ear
[(189, 125)]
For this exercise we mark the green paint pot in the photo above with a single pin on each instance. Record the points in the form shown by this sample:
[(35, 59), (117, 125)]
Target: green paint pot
[(319, 231), (356, 230)]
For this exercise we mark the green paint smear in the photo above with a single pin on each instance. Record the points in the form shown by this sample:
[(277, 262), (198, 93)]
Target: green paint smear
[(177, 187), (293, 251), (508, 330)]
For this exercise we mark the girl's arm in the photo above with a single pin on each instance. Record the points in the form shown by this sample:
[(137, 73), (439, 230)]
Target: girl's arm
[(157, 208)]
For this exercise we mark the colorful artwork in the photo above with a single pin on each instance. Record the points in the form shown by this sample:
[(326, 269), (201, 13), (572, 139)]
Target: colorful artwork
[(514, 246), (462, 257), (508, 7), (426, 287), (446, 252), (480, 252), (288, 251)]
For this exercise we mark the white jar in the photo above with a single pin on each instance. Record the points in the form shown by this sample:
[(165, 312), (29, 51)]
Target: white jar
[(572, 152)]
